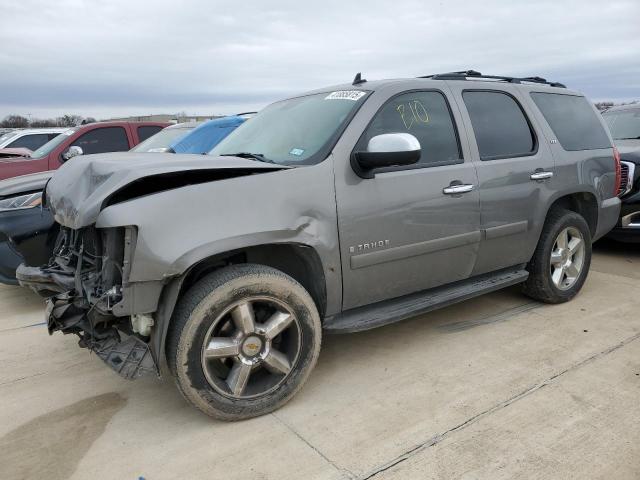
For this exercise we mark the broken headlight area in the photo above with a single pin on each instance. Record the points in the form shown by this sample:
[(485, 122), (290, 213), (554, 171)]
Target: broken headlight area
[(83, 282)]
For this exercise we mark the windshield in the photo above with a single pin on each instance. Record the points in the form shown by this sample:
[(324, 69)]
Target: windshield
[(161, 141), (44, 150), (294, 131), (624, 124)]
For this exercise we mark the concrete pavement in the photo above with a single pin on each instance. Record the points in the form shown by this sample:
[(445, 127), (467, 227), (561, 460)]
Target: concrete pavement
[(496, 387)]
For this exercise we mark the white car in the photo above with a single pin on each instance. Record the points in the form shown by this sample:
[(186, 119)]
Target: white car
[(30, 138)]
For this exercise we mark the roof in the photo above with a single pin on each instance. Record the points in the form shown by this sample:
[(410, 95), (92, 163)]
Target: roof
[(183, 125), (31, 131), (117, 122), (470, 76)]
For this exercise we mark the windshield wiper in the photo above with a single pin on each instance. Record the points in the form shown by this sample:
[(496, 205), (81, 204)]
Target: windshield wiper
[(253, 156), (628, 138)]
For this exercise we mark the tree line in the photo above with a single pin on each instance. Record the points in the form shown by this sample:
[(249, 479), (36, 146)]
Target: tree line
[(18, 121), (602, 106)]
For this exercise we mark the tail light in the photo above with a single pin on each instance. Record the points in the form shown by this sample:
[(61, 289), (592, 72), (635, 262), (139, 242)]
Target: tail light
[(616, 159)]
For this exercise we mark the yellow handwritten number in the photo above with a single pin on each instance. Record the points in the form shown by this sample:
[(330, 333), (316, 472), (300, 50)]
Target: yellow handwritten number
[(418, 113)]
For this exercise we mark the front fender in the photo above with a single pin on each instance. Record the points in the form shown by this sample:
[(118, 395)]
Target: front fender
[(178, 228)]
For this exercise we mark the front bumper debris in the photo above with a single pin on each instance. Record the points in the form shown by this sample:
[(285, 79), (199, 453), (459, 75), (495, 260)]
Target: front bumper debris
[(83, 283), (44, 281), (130, 358)]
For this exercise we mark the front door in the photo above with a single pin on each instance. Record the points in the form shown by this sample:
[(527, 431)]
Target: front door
[(406, 229)]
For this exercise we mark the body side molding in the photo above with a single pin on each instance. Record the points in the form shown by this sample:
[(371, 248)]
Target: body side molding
[(414, 249)]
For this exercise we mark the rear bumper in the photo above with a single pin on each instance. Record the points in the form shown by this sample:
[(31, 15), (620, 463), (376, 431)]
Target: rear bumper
[(608, 216)]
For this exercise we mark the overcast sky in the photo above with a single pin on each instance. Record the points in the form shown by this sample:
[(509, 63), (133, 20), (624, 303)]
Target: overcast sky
[(116, 57)]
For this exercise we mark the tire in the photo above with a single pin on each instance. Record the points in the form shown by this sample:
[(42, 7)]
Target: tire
[(541, 285), (242, 309)]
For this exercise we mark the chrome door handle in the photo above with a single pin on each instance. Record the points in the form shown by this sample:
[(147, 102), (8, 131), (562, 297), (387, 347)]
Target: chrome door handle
[(541, 175), (457, 189)]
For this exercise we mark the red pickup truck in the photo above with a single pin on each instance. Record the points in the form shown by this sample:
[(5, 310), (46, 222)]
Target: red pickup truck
[(98, 137)]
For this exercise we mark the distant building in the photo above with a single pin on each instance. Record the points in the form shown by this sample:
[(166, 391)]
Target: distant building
[(171, 118)]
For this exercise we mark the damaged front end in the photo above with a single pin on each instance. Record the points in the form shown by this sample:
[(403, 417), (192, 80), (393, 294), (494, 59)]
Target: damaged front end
[(84, 281)]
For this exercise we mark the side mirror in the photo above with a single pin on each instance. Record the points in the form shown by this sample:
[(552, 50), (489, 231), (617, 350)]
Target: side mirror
[(73, 151), (386, 150)]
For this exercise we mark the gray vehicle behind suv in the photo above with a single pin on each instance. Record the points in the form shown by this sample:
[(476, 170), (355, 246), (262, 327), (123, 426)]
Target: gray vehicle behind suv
[(341, 210)]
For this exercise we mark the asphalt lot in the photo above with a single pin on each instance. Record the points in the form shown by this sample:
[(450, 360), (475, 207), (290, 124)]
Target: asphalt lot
[(497, 387)]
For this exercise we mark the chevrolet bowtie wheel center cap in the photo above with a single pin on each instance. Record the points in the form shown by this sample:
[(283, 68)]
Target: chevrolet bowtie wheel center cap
[(252, 346)]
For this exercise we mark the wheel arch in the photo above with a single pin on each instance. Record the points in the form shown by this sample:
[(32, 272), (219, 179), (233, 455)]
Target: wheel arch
[(299, 261), (583, 203)]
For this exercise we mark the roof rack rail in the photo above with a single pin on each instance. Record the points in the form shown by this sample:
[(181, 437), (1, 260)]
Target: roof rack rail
[(464, 74)]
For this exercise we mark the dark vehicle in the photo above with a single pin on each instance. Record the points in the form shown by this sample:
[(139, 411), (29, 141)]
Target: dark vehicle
[(624, 124), (341, 210), (28, 232), (87, 139)]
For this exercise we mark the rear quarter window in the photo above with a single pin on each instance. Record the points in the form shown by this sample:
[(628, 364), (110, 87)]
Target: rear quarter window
[(147, 131), (573, 121)]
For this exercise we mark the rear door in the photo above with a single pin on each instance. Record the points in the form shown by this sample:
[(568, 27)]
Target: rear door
[(515, 168), (399, 231)]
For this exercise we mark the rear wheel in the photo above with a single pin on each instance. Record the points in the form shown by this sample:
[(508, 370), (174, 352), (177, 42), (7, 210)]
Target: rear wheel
[(560, 264), (242, 341)]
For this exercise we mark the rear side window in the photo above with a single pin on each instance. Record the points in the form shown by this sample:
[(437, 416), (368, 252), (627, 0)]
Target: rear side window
[(573, 121), (424, 115), (148, 131), (102, 140), (499, 124), (32, 142)]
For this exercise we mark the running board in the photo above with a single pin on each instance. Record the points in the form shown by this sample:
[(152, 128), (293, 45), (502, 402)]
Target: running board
[(397, 309)]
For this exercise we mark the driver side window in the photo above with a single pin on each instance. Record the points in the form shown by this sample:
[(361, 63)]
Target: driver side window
[(426, 116)]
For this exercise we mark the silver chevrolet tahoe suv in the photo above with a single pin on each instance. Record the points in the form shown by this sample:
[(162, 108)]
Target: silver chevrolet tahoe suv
[(339, 210)]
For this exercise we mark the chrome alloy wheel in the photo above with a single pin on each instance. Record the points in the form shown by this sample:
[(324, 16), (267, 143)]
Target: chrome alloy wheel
[(567, 258), (251, 348)]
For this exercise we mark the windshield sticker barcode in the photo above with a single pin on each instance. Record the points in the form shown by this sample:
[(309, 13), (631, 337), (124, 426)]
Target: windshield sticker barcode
[(354, 95)]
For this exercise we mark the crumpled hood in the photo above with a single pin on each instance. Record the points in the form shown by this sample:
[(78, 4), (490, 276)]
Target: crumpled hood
[(78, 189), (24, 183)]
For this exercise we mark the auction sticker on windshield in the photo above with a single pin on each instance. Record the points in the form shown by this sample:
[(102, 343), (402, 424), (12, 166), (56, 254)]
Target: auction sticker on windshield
[(354, 95)]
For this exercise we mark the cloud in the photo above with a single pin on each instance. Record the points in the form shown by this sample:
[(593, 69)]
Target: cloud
[(123, 57)]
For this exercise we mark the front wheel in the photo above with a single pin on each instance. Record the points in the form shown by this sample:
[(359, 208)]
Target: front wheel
[(560, 264), (242, 341)]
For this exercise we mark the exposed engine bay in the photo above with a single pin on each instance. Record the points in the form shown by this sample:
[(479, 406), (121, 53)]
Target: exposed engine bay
[(83, 283)]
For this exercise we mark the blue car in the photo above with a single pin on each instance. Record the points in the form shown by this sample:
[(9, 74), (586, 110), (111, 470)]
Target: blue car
[(191, 137)]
